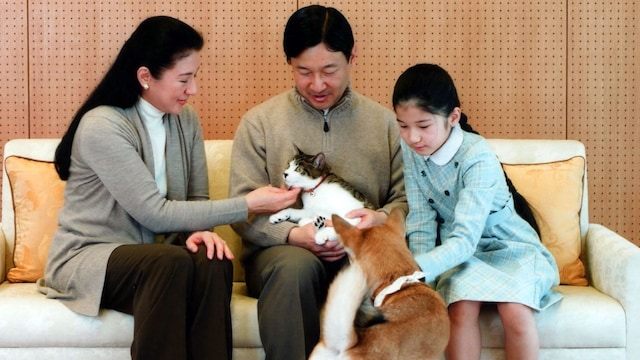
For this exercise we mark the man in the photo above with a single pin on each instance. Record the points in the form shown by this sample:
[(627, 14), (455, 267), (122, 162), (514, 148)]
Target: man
[(285, 269)]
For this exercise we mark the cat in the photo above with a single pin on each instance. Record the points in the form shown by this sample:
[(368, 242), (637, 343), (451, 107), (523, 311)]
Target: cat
[(407, 319), (323, 194)]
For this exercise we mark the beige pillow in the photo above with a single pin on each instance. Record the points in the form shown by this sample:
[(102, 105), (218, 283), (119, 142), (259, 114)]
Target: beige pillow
[(554, 192), (37, 197)]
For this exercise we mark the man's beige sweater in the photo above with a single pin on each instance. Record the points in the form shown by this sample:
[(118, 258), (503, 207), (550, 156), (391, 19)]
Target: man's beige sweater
[(362, 146)]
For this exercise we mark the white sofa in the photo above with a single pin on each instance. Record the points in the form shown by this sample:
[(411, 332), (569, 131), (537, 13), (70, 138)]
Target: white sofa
[(599, 321)]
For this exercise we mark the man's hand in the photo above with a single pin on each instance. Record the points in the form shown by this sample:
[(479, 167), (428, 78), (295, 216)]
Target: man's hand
[(304, 237)]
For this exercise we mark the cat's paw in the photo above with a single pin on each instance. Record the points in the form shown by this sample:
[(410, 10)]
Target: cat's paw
[(279, 217), (325, 234), (319, 222)]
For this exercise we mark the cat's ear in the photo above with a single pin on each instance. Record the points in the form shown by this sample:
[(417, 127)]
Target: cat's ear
[(318, 161), (298, 150)]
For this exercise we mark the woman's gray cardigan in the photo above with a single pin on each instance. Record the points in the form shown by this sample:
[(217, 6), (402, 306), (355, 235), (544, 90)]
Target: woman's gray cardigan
[(111, 199)]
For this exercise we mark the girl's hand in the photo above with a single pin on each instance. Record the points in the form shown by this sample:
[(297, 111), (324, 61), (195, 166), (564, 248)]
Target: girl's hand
[(212, 241), (368, 217)]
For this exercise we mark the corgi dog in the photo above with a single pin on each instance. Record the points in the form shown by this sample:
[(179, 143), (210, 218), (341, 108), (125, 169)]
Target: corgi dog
[(377, 307)]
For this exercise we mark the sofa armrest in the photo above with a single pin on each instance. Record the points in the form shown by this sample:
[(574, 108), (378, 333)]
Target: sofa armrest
[(3, 255), (614, 265)]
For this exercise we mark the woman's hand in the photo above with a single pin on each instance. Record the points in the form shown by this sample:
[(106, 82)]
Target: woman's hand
[(269, 199), (212, 241)]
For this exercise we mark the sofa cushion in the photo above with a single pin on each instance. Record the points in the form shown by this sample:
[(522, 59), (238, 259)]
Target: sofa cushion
[(37, 197), (244, 318), (29, 319), (554, 192), (24, 310), (585, 318)]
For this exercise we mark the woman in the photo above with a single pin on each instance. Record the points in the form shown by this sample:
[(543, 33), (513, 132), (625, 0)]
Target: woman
[(134, 162), (462, 226)]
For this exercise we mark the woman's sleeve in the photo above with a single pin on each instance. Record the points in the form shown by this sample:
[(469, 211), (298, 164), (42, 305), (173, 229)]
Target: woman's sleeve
[(110, 152), (198, 182)]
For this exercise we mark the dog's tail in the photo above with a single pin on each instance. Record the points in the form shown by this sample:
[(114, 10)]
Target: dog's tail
[(346, 294)]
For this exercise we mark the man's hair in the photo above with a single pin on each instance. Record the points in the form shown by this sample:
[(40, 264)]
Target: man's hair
[(316, 24)]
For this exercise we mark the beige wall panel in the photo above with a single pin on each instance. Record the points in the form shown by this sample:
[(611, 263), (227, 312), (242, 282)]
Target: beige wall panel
[(553, 69), (246, 62), (14, 89), (73, 44), (603, 105), (14, 95), (507, 58)]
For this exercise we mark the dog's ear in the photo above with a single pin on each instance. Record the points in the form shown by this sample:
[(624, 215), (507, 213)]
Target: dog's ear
[(396, 219), (340, 224)]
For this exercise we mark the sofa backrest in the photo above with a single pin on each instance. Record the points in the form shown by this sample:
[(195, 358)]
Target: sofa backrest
[(218, 158), (218, 161)]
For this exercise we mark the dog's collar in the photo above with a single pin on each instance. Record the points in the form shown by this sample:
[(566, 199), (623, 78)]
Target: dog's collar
[(396, 285)]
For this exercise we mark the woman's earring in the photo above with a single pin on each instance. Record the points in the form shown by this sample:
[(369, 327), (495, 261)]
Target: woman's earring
[(145, 86)]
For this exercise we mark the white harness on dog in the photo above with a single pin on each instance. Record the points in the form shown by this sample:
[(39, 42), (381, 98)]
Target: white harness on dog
[(396, 285)]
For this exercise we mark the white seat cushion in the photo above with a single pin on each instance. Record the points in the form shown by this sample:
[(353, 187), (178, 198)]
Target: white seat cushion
[(585, 318)]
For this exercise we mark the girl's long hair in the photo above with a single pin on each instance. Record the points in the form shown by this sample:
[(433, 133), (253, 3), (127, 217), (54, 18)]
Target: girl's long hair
[(431, 88)]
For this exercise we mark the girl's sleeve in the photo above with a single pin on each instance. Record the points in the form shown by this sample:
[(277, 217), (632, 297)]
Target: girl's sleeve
[(475, 199), (421, 219)]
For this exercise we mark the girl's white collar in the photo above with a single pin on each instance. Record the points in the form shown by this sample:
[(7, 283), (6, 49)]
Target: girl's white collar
[(449, 148)]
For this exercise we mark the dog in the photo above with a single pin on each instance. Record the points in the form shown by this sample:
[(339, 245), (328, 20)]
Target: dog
[(377, 307)]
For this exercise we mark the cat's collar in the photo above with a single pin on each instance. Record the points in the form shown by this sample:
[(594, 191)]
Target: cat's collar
[(310, 191)]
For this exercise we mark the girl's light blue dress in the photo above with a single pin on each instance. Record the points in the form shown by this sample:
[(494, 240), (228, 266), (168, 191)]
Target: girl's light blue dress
[(488, 253)]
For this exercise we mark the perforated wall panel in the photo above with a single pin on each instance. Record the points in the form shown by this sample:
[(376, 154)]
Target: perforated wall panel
[(531, 69), (14, 84), (603, 104), (507, 59)]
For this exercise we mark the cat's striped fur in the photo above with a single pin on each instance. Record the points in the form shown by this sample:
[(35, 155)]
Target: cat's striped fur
[(324, 194)]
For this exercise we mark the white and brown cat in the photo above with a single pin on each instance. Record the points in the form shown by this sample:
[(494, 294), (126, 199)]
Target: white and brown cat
[(377, 307), (324, 193)]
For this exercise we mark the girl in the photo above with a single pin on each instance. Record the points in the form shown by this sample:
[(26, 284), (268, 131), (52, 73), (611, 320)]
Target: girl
[(133, 157), (462, 227)]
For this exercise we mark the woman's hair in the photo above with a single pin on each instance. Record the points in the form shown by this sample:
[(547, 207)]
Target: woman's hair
[(316, 24), (157, 43), (431, 88)]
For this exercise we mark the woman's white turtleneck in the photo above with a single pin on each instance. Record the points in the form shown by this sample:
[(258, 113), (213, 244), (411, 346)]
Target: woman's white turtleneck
[(153, 119)]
